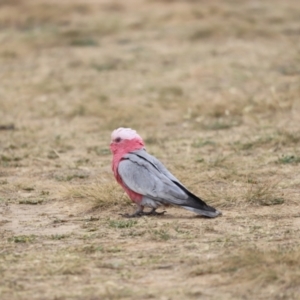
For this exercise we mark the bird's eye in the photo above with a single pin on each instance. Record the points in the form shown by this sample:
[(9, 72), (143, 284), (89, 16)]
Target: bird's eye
[(118, 139)]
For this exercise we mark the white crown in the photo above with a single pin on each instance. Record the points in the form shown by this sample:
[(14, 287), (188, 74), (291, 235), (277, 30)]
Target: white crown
[(125, 134)]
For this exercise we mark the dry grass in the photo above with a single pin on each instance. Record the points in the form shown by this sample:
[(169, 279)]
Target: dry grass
[(212, 86), (102, 194), (257, 271)]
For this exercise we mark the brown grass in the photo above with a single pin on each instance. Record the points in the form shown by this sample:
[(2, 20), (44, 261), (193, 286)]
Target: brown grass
[(102, 194), (212, 86)]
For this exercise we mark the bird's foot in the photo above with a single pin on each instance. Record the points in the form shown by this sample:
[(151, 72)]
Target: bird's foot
[(140, 213)]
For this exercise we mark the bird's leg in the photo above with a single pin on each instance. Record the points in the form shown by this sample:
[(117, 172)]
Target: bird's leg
[(140, 212)]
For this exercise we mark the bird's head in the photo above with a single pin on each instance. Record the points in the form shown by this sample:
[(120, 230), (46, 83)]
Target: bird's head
[(124, 140)]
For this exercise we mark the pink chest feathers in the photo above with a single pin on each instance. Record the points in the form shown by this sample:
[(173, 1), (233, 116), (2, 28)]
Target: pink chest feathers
[(135, 197)]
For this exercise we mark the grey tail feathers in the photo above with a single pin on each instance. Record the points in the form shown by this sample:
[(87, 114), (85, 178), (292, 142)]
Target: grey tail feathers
[(209, 214), (198, 206)]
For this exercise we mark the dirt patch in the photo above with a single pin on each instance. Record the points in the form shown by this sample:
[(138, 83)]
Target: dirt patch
[(46, 219)]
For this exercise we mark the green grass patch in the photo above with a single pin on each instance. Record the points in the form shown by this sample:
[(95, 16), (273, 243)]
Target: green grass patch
[(58, 237), (84, 42), (203, 143), (22, 239), (122, 223), (31, 201), (289, 159)]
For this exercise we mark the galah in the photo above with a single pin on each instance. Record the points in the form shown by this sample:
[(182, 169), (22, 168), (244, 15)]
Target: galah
[(147, 181)]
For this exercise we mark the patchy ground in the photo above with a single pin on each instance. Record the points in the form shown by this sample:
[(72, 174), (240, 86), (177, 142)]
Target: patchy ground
[(214, 89)]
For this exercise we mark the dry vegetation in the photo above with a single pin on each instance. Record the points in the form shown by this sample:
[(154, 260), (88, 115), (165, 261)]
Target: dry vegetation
[(212, 86)]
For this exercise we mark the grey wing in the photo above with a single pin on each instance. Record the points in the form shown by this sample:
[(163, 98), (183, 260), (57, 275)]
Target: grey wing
[(153, 160), (142, 177)]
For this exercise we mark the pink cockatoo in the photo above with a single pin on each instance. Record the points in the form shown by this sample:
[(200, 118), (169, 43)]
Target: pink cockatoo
[(147, 181)]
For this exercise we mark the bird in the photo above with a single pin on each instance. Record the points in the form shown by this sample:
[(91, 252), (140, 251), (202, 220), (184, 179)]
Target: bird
[(147, 181)]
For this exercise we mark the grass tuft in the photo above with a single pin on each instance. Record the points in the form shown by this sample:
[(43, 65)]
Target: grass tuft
[(263, 193), (289, 159), (59, 236), (258, 268), (22, 239), (31, 201), (104, 195), (122, 223)]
